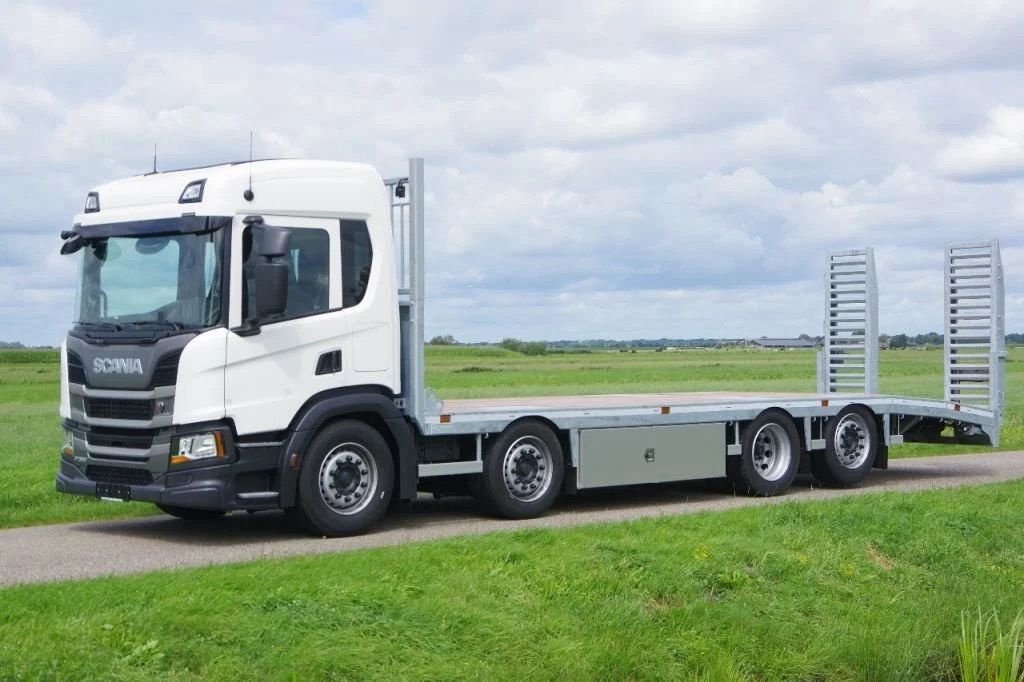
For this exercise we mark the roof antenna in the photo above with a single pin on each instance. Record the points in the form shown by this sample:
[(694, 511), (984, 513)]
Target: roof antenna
[(154, 157), (247, 194)]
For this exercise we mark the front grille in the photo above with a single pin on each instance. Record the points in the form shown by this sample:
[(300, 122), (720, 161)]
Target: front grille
[(117, 440), (166, 372), (76, 370), (119, 408), (118, 475)]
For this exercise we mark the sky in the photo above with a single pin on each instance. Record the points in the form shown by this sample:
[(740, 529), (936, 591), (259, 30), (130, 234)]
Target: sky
[(593, 170)]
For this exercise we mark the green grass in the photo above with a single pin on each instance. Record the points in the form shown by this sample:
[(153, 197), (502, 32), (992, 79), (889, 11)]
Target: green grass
[(988, 652), (30, 433), (871, 587)]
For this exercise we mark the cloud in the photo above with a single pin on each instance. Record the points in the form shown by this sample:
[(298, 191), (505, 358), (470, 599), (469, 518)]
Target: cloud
[(995, 152), (647, 169)]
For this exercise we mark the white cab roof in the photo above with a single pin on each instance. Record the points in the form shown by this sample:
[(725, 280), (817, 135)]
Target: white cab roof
[(286, 186)]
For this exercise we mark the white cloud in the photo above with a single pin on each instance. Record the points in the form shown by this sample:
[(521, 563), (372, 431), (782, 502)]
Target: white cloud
[(995, 152), (606, 169)]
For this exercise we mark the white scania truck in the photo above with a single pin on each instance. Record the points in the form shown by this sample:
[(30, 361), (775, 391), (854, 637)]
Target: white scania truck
[(250, 336)]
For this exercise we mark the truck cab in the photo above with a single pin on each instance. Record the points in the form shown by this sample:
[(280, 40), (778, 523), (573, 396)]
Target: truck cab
[(223, 316)]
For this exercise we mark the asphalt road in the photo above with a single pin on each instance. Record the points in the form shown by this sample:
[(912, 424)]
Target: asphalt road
[(87, 550)]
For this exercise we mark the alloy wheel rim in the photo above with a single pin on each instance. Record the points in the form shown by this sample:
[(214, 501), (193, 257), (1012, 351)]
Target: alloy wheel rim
[(527, 469), (772, 452), (348, 479), (852, 441)]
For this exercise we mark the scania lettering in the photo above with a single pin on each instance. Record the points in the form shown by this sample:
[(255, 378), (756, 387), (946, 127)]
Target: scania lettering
[(117, 366), (249, 336)]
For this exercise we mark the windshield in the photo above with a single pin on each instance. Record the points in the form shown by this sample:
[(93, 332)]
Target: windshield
[(151, 281)]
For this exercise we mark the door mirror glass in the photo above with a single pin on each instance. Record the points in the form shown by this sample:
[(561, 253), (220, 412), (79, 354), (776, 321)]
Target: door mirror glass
[(269, 271)]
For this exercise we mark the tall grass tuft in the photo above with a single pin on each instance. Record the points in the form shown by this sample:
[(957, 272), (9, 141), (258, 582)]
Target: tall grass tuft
[(988, 653)]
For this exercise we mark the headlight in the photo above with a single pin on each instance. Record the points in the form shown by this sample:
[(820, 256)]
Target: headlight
[(197, 447), (68, 449)]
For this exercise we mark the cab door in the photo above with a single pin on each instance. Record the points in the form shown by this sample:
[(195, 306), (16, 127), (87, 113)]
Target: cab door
[(270, 374)]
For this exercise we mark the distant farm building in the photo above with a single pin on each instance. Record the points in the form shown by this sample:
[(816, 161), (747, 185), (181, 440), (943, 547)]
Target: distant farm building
[(780, 344)]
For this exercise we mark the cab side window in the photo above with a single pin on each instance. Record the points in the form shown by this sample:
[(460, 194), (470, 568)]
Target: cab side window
[(308, 272), (356, 261)]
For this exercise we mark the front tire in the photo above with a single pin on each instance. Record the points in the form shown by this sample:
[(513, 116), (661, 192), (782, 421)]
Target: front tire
[(523, 472), (851, 446), (346, 481), (187, 514), (769, 458)]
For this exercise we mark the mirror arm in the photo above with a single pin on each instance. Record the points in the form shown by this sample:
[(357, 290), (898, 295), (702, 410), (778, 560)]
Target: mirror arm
[(247, 328)]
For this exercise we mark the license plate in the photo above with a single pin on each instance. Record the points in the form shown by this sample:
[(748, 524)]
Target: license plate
[(109, 491)]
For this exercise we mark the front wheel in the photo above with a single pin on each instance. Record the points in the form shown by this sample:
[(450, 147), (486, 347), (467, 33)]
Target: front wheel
[(769, 458), (346, 480), (523, 472)]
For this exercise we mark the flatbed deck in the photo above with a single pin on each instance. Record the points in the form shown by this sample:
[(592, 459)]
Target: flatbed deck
[(490, 415)]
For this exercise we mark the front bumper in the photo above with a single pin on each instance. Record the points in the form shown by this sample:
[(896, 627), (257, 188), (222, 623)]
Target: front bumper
[(206, 488), (246, 479)]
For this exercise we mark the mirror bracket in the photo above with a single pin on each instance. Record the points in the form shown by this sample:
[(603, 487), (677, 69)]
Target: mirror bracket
[(247, 328)]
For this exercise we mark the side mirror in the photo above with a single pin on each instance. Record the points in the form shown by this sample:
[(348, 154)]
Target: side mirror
[(270, 288), (267, 271)]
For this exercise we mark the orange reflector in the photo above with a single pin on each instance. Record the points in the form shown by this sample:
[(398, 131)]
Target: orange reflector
[(293, 461), (219, 440), (824, 403), (665, 409), (956, 408), (179, 459), (446, 418)]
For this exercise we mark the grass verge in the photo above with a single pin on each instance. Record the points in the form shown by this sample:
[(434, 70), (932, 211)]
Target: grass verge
[(862, 588)]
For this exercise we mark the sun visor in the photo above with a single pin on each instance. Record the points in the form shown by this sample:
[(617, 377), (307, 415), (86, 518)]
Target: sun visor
[(137, 228)]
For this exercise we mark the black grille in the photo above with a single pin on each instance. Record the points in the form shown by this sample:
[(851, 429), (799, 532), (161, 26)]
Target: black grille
[(118, 475), (119, 408), (166, 372), (76, 371), (117, 440)]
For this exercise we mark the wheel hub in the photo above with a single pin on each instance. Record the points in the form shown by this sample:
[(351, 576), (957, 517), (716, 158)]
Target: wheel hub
[(852, 441), (348, 478), (527, 468), (771, 452)]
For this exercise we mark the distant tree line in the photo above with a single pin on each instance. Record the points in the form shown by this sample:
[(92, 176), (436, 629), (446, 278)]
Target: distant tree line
[(542, 347)]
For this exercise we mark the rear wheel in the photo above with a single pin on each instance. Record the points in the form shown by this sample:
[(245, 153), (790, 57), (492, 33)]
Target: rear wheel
[(346, 480), (769, 458), (523, 471), (851, 445), (188, 514)]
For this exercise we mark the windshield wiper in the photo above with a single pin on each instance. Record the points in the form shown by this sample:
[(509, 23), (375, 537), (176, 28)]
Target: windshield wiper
[(161, 324), (101, 325)]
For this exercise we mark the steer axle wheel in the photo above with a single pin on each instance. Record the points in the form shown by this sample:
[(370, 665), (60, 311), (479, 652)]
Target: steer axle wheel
[(346, 480), (851, 445), (523, 471), (769, 458)]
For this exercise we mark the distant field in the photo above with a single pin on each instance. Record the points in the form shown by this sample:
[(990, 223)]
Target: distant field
[(30, 431)]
